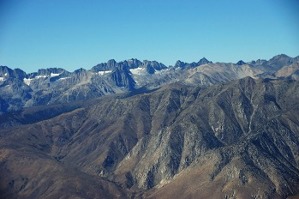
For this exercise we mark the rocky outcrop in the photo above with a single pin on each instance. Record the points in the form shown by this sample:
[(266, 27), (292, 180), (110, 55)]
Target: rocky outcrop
[(202, 61), (123, 78)]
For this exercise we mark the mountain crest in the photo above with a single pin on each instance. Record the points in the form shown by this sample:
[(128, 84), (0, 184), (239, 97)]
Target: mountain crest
[(203, 61), (56, 85), (241, 62)]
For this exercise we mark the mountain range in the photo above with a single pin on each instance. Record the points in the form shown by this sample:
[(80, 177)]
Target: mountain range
[(140, 129), (56, 85)]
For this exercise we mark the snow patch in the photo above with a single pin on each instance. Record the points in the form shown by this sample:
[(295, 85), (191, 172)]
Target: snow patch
[(104, 72), (27, 81), (161, 71), (63, 78), (54, 74), (40, 76), (137, 71)]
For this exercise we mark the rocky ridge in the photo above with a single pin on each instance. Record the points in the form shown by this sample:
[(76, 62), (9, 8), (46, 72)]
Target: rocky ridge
[(56, 85)]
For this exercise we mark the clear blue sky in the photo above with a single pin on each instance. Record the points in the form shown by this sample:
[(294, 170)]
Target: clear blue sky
[(81, 33)]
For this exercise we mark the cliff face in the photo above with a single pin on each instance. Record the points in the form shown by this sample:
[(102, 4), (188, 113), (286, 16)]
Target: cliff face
[(235, 140)]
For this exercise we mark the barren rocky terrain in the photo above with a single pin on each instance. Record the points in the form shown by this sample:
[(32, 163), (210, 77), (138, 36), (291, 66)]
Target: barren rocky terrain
[(215, 132)]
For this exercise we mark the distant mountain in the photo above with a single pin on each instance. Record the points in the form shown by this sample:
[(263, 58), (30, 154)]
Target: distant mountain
[(56, 85), (180, 64), (237, 139)]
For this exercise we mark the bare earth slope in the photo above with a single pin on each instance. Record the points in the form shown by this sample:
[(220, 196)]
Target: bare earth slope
[(235, 140)]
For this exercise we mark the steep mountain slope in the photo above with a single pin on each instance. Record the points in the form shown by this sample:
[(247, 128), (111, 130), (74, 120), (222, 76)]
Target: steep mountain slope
[(226, 140), (30, 174)]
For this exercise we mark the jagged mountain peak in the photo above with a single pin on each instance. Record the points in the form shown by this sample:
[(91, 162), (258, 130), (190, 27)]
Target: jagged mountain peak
[(134, 63), (4, 68), (179, 64), (112, 63), (203, 61), (152, 66), (279, 61), (6, 72), (241, 62), (48, 72), (280, 56)]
